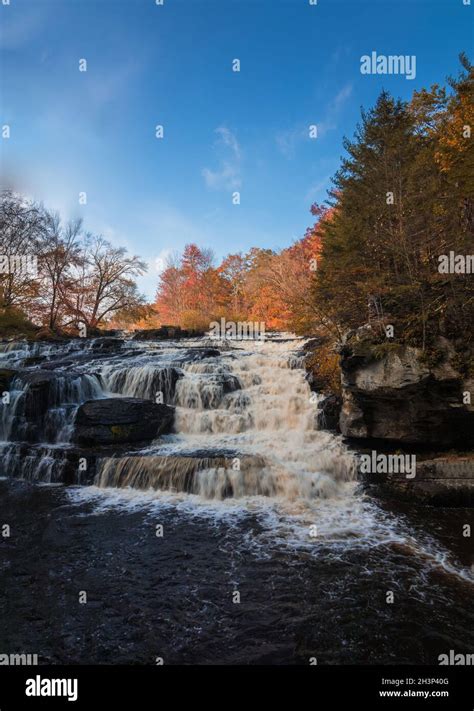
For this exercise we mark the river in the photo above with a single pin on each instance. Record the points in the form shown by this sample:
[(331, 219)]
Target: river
[(243, 537)]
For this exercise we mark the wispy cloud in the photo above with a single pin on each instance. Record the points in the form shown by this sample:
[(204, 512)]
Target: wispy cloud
[(289, 140), (314, 190), (228, 175), (334, 109)]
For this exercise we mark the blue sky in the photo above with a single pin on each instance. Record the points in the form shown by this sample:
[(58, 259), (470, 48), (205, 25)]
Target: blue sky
[(94, 131)]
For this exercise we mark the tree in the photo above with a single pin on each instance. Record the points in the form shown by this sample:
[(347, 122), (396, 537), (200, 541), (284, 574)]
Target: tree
[(102, 283), (191, 292), (60, 252), (402, 198), (22, 227)]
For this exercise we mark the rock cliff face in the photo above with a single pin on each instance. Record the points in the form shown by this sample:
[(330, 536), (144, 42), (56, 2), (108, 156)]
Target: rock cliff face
[(392, 394)]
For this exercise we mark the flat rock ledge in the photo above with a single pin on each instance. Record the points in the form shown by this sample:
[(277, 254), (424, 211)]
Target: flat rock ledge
[(442, 481)]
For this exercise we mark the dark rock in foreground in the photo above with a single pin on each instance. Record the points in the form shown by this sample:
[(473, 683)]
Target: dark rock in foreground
[(121, 420)]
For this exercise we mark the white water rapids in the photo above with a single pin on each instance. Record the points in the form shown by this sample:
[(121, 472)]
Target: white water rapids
[(245, 440), (299, 481), (268, 426)]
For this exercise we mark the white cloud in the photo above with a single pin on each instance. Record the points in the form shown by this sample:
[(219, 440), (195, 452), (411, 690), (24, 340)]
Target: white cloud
[(228, 139), (228, 175), (333, 110), (288, 141)]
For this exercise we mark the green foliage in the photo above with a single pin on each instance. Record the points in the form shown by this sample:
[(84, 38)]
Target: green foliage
[(402, 197)]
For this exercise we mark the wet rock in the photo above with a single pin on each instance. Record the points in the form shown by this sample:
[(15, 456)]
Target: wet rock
[(329, 410), (394, 395), (121, 420), (230, 383), (38, 392), (55, 364), (106, 344), (6, 377), (443, 481), (33, 360), (166, 333), (193, 355)]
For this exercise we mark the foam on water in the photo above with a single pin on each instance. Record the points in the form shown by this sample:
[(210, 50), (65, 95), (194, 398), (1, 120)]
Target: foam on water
[(326, 528)]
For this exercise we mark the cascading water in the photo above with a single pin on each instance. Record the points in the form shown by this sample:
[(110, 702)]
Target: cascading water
[(144, 381), (248, 495), (254, 404), (37, 409)]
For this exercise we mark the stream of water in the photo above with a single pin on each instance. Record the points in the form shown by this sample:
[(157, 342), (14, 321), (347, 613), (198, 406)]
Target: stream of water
[(268, 549)]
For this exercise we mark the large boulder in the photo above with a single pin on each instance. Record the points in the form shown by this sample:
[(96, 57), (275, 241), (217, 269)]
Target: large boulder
[(121, 420), (392, 393)]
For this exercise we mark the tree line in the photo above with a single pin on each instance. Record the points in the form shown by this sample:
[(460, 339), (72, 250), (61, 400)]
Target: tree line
[(402, 198)]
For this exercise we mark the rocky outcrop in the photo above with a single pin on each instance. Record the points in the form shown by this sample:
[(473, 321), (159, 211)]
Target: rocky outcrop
[(391, 393), (444, 481), (166, 333), (121, 420)]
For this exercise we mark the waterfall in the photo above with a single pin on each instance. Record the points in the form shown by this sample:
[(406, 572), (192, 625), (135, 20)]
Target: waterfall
[(38, 463), (144, 381), (36, 419), (254, 404), (244, 418), (42, 406)]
